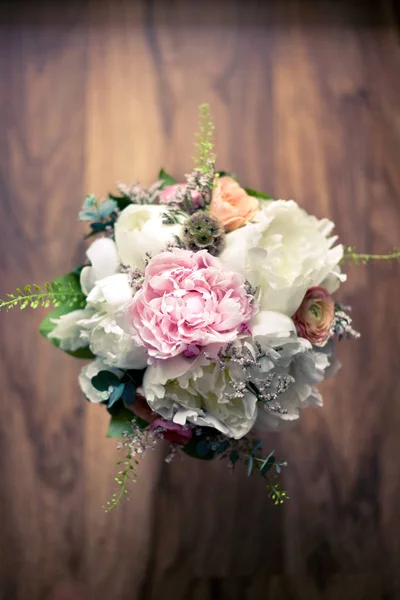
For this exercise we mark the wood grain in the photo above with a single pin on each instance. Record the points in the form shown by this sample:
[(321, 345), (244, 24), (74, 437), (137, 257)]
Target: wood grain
[(306, 100)]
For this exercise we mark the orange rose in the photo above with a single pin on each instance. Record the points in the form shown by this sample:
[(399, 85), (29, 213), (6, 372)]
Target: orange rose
[(231, 205)]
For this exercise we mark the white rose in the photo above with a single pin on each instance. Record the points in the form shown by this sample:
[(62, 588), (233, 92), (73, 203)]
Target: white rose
[(106, 338), (197, 391), (85, 380), (283, 253), (140, 231)]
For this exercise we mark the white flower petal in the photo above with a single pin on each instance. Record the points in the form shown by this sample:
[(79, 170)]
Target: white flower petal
[(88, 372), (195, 391), (140, 231), (111, 292), (105, 261), (68, 330), (283, 253)]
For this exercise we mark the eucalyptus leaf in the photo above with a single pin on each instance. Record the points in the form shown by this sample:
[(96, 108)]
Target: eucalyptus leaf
[(129, 393), (250, 465), (268, 463), (116, 394), (202, 448), (98, 226), (104, 380), (257, 446), (88, 215), (90, 201), (107, 207)]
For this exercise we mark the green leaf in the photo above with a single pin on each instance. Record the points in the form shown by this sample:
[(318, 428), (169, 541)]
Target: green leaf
[(268, 463), (261, 195), (85, 353), (227, 174), (120, 422), (166, 178), (250, 465), (122, 201), (105, 379), (71, 281)]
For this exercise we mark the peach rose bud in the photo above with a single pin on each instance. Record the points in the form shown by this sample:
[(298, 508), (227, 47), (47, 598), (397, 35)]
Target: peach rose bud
[(231, 205), (314, 317)]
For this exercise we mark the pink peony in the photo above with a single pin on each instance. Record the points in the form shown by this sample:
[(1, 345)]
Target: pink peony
[(168, 195), (314, 317), (188, 300), (172, 432)]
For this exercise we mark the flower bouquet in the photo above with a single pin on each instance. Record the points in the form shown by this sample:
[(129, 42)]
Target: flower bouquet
[(207, 314)]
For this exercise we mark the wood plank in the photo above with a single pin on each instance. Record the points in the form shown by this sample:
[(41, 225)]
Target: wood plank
[(41, 429)]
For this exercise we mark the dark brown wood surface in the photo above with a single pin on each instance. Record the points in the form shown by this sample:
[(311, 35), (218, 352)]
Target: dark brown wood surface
[(306, 99)]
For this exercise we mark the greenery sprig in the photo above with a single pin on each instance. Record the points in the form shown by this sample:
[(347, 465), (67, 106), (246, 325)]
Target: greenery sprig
[(52, 294), (363, 258), (204, 146), (125, 475), (266, 467)]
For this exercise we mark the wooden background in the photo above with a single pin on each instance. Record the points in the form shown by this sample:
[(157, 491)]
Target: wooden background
[(306, 99)]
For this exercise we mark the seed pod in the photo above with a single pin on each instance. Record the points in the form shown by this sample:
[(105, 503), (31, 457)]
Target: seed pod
[(201, 231)]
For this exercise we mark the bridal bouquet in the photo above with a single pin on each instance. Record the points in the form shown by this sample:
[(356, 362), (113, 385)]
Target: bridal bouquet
[(207, 312)]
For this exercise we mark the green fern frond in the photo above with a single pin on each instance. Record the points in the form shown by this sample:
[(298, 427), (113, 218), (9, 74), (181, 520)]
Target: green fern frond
[(53, 294), (204, 156), (358, 258)]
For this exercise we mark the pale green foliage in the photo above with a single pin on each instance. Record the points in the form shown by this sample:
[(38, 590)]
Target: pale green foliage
[(204, 146), (358, 258), (124, 476), (51, 294)]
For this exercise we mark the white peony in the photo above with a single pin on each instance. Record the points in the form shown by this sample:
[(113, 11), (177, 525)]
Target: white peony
[(68, 330), (283, 252), (182, 390), (85, 380), (105, 261), (200, 392), (308, 367), (95, 326), (140, 231), (106, 339)]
